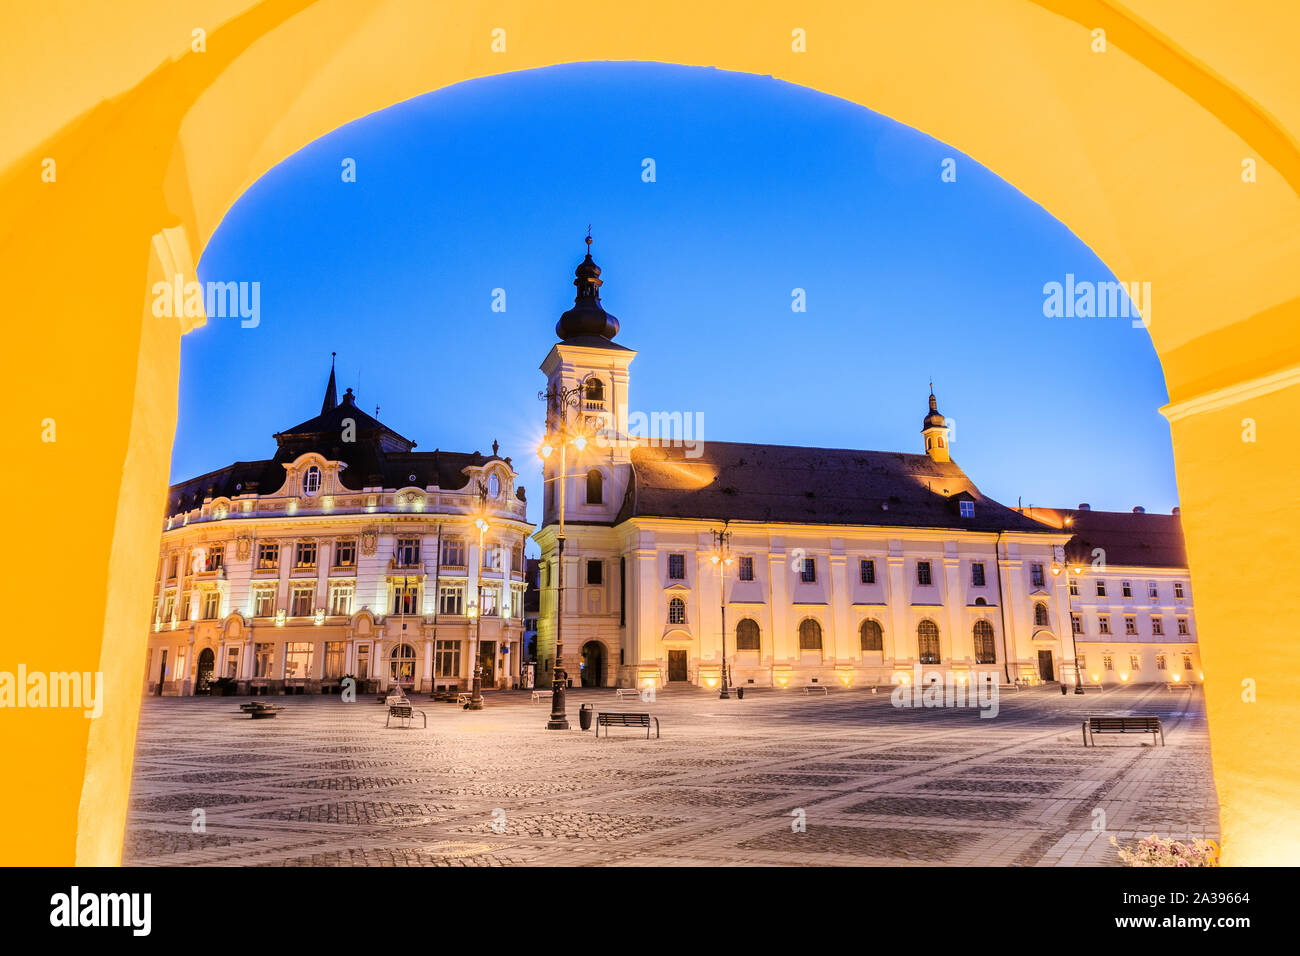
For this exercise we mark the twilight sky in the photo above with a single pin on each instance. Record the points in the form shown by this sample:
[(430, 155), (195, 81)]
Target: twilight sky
[(761, 187)]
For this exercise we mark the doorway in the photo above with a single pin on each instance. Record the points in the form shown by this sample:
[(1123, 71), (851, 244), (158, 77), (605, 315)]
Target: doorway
[(677, 666), (487, 659), (162, 673), (207, 662), (593, 664), (1045, 665)]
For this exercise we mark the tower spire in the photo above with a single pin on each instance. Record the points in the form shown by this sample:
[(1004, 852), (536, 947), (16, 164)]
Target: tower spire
[(588, 316), (331, 390), (935, 429)]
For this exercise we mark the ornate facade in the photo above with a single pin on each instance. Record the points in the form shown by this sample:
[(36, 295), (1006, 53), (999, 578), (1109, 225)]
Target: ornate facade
[(841, 566), (347, 553)]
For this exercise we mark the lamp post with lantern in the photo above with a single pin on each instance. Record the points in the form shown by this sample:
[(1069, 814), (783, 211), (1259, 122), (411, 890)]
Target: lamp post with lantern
[(563, 428), (476, 606), (1057, 568), (722, 558)]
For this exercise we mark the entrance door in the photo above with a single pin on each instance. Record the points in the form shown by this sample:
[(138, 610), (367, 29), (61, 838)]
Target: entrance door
[(487, 656), (206, 664), (593, 664), (677, 665), (1045, 665), (162, 673)]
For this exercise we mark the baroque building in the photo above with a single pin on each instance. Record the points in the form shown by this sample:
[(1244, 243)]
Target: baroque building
[(842, 566), (346, 553)]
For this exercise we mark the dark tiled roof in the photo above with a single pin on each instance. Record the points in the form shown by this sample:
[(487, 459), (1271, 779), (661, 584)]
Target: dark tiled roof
[(783, 483), (595, 342), (1128, 539)]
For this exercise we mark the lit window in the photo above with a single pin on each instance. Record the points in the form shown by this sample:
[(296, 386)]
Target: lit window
[(451, 599), (345, 553), (406, 598), (268, 556), (305, 555), (1160, 662), (453, 553), (447, 659), (1134, 662), (965, 508), (984, 643), (341, 599), (311, 481), (300, 600), (297, 661), (1108, 663), (264, 602), (211, 605), (927, 639), (676, 611), (1187, 662), (746, 569)]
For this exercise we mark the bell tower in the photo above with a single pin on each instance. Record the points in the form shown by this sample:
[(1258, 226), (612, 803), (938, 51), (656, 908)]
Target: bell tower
[(935, 429)]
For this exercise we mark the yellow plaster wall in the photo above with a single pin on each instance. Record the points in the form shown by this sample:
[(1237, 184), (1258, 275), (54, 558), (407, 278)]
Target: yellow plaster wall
[(1138, 150)]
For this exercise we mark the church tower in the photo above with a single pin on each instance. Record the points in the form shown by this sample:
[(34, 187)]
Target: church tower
[(935, 429)]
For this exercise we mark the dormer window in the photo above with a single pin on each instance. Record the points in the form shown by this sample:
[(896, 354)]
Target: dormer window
[(494, 486), (966, 508), (311, 481)]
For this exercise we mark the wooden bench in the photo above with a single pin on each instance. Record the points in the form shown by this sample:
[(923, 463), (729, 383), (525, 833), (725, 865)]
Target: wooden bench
[(260, 711), (809, 688), (405, 712), (1122, 725), (609, 719), (540, 695), (622, 693)]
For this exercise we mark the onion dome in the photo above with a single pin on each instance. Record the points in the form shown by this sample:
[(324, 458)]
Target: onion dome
[(934, 419), (588, 316)]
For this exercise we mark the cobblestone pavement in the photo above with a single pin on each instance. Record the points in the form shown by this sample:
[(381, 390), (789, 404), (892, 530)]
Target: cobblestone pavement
[(325, 783)]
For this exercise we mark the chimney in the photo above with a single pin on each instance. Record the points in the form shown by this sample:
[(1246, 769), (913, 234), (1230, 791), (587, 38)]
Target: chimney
[(1084, 506), (1139, 510)]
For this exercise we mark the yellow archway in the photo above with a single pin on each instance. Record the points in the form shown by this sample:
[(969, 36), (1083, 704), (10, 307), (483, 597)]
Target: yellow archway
[(1164, 142)]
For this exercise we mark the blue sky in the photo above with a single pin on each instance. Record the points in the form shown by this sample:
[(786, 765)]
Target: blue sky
[(761, 187)]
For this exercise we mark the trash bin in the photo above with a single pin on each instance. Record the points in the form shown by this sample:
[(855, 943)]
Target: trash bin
[(740, 693), (584, 717)]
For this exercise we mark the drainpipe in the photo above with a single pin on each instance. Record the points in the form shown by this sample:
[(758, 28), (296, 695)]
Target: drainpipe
[(1002, 605)]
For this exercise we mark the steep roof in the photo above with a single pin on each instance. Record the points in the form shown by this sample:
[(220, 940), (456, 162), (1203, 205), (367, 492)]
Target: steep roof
[(791, 484), (1129, 539)]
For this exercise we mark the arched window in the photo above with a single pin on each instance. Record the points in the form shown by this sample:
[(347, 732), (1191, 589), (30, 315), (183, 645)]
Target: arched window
[(810, 635), (494, 485), (594, 393), (747, 635), (595, 487), (984, 643), (676, 611), (873, 639), (311, 481), (401, 664), (927, 641), (1040, 615)]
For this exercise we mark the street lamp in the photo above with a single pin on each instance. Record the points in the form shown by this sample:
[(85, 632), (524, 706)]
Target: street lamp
[(722, 558), (475, 606), (560, 433), (1069, 610)]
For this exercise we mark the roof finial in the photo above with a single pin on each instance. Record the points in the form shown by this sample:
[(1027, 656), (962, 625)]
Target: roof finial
[(588, 238), (331, 391)]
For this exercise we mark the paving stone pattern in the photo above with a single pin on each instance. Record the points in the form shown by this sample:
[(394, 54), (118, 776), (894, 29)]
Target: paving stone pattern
[(778, 778)]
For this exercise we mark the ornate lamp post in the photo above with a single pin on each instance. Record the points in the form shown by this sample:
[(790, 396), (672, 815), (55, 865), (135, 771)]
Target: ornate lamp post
[(722, 558), (1069, 610), (475, 609), (560, 433)]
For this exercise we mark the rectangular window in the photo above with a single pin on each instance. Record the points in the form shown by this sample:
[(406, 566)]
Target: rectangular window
[(406, 599), (1108, 662), (297, 661), (1178, 590), (185, 606), (1182, 626), (491, 604), (232, 663), (1103, 623), (491, 557), (746, 569), (453, 552), (595, 572), (966, 509), (809, 573), (335, 658), (1187, 662), (517, 561), (451, 599), (867, 571), (1160, 662), (169, 606), (363, 661), (1157, 625), (923, 573), (300, 602), (1076, 624), (1074, 587), (264, 602), (172, 566), (211, 605), (408, 552), (216, 557), (345, 553), (1153, 592), (676, 567), (264, 662), (268, 556), (977, 574), (1126, 588), (1101, 589), (1130, 624), (1036, 575), (305, 555), (1134, 662), (446, 659), (341, 596)]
